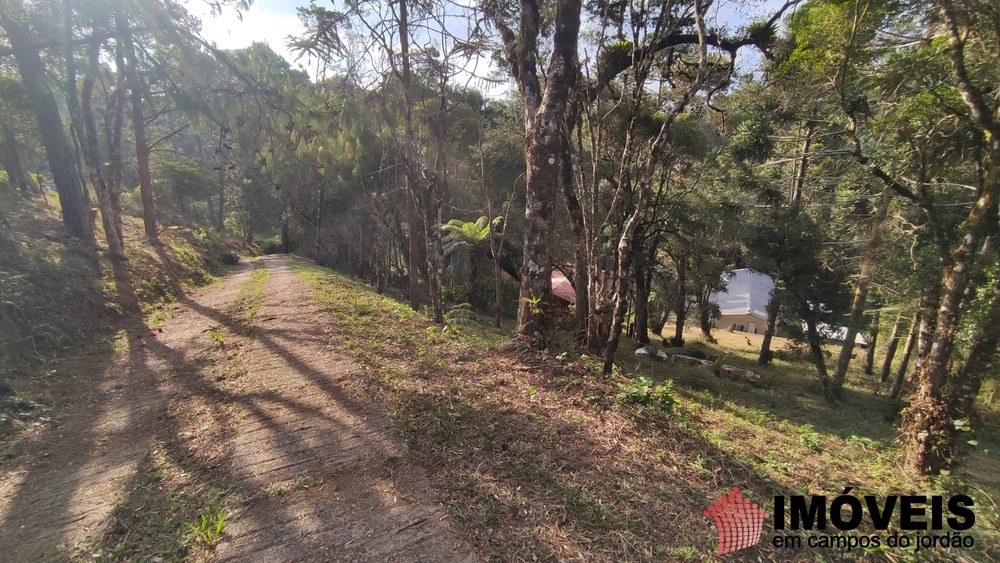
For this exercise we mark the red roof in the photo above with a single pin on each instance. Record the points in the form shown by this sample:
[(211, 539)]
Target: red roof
[(562, 289)]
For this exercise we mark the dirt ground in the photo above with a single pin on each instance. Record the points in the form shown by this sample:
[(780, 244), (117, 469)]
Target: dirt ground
[(315, 468)]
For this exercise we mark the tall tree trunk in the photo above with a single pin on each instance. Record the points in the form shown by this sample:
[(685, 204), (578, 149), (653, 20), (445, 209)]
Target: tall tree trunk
[(765, 356), (220, 218), (285, 242), (436, 193), (705, 313), (92, 157), (114, 123), (318, 255), (927, 423), (680, 303), (72, 100), (911, 342), (10, 158), (414, 224), (890, 349), (628, 243), (642, 280), (545, 129), (496, 240), (802, 165), (982, 354), (142, 148), (816, 351), (59, 152), (872, 341), (544, 134), (856, 317), (577, 223)]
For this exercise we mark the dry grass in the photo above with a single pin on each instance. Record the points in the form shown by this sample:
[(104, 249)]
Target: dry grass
[(536, 459)]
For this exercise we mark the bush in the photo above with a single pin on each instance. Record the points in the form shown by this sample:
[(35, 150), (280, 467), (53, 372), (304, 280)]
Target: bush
[(269, 245), (644, 392)]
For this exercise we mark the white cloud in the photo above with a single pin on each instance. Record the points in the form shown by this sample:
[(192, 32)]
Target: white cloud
[(268, 21)]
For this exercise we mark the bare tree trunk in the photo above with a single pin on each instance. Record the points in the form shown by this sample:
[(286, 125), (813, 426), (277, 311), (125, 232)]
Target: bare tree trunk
[(642, 280), (872, 341), (142, 148), (318, 254), (545, 129), (890, 350), (705, 313), (927, 423), (220, 219), (765, 356), (285, 243), (816, 351), (911, 342), (802, 165), (436, 193), (114, 122), (72, 100), (544, 135), (10, 158), (496, 241), (680, 303), (65, 173), (860, 294), (90, 152), (578, 228), (628, 243), (415, 226), (982, 353)]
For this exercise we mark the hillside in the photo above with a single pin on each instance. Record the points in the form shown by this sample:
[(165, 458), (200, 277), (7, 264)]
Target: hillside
[(62, 304), (531, 454), (696, 280)]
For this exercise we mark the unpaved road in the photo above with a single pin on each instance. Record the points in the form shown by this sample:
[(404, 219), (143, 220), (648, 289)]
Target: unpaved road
[(319, 474)]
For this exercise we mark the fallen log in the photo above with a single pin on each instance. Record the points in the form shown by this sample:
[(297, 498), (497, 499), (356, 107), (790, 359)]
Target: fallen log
[(720, 369)]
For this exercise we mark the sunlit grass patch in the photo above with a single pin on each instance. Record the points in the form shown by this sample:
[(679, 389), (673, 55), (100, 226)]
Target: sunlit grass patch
[(538, 455)]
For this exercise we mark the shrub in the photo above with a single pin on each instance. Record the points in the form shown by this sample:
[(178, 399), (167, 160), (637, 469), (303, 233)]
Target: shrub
[(644, 392), (269, 245)]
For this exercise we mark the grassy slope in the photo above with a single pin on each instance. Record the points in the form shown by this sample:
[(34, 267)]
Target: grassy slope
[(535, 457), (62, 305)]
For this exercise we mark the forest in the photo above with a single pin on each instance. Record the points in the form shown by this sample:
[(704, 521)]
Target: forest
[(574, 179)]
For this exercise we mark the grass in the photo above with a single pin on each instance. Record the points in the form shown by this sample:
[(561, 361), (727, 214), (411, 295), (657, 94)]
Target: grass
[(62, 304), (207, 530), (179, 505), (536, 457), (244, 309), (64, 311)]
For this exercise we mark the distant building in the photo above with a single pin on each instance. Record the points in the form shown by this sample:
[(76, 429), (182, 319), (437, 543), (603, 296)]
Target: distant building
[(838, 333), (743, 305), (562, 289)]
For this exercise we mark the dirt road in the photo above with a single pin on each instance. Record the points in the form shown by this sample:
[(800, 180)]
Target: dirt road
[(314, 469)]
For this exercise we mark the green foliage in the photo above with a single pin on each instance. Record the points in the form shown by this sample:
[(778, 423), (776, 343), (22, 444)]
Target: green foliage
[(753, 138), (207, 530), (644, 392), (268, 245), (460, 233), (217, 337), (621, 48), (457, 317)]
